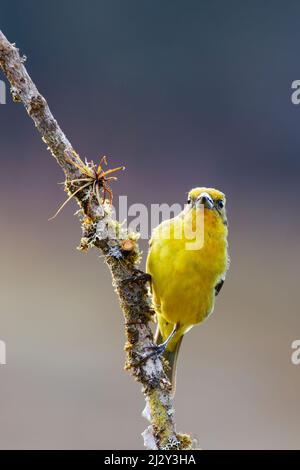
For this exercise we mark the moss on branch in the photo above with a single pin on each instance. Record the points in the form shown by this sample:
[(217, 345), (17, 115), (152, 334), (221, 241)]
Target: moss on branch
[(121, 253)]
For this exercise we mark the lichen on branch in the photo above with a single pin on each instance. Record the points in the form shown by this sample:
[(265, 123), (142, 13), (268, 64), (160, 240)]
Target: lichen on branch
[(121, 254)]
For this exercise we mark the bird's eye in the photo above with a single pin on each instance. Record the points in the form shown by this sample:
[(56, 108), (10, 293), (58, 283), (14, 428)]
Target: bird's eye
[(189, 201), (220, 204)]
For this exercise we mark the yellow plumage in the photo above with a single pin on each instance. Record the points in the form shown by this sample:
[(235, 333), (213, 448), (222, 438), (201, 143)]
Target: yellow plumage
[(187, 270)]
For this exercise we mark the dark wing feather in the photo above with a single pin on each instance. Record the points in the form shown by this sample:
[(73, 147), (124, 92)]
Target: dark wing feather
[(219, 286)]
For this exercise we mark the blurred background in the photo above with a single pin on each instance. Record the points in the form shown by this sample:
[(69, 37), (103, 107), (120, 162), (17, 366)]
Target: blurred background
[(184, 94)]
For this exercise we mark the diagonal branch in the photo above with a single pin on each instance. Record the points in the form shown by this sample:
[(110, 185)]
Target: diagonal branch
[(121, 253)]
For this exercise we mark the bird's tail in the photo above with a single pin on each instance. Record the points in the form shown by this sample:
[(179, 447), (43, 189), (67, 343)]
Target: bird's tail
[(171, 355)]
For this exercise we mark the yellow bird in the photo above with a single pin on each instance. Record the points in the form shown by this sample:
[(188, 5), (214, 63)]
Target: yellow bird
[(187, 261)]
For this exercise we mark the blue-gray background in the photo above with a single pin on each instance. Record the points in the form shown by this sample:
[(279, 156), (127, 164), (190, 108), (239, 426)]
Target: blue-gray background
[(184, 93)]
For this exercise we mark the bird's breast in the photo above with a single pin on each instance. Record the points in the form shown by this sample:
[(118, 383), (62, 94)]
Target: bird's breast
[(184, 280)]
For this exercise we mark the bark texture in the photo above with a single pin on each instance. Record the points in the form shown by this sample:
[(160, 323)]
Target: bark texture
[(121, 253)]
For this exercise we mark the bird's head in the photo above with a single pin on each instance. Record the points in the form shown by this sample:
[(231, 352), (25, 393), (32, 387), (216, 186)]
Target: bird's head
[(212, 200)]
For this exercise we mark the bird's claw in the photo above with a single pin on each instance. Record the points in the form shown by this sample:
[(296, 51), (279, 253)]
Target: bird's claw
[(138, 276), (158, 349), (154, 351)]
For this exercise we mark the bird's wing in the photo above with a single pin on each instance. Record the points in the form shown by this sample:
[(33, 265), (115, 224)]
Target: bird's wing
[(219, 286)]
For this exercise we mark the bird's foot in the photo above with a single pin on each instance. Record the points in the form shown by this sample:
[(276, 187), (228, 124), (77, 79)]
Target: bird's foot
[(153, 352), (156, 350), (138, 276)]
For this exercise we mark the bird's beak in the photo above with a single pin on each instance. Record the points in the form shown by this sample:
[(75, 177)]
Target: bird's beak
[(205, 200)]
